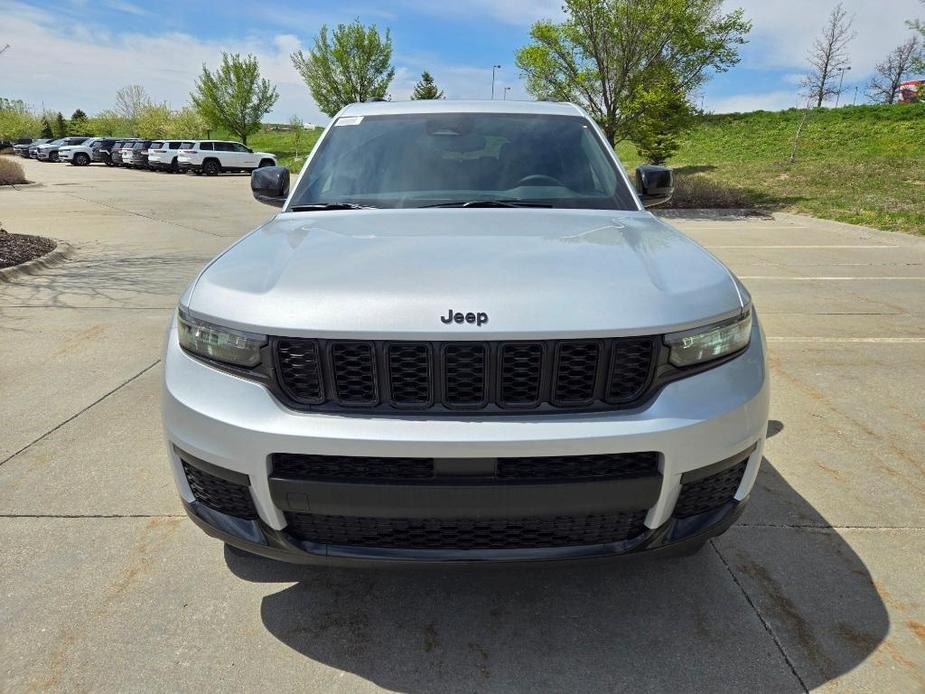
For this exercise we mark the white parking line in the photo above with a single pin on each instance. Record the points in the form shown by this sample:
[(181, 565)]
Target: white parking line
[(826, 279), (805, 246), (872, 340)]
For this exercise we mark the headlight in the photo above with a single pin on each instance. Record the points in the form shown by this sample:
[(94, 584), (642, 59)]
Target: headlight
[(218, 343), (710, 342)]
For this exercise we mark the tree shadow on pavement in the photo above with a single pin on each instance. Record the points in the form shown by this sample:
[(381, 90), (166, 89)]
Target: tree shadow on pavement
[(745, 613)]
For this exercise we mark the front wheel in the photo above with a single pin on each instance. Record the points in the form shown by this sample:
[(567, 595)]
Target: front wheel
[(81, 159)]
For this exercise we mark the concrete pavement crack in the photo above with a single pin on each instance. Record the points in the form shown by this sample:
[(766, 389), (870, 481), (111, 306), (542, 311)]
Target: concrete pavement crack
[(143, 216), (764, 622), (76, 415), (92, 515)]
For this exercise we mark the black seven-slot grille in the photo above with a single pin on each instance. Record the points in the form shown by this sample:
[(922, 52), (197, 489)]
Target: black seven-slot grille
[(548, 375)]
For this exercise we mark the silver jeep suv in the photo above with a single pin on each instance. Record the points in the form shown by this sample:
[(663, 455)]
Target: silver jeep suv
[(464, 339)]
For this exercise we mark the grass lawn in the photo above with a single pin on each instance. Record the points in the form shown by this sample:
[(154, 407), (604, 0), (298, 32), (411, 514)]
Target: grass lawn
[(858, 164), (290, 150)]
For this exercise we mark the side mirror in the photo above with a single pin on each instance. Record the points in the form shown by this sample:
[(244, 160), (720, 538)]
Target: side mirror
[(270, 185), (655, 184)]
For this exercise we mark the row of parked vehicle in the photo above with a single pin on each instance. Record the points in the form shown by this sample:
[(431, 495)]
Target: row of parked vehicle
[(209, 157)]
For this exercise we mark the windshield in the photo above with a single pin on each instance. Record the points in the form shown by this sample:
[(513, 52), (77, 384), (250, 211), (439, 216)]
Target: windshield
[(424, 160)]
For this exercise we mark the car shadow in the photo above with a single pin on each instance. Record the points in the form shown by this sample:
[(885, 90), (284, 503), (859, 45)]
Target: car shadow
[(648, 624)]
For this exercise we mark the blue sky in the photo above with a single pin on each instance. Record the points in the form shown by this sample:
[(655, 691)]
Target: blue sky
[(72, 54)]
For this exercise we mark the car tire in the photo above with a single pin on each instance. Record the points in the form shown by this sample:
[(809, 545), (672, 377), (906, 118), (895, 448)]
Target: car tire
[(80, 159), (174, 166), (53, 156), (211, 167)]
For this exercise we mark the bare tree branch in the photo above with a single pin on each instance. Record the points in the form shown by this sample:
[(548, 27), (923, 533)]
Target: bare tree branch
[(829, 56), (889, 74)]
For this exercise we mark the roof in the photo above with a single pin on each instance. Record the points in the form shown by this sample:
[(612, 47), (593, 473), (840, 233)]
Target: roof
[(377, 108)]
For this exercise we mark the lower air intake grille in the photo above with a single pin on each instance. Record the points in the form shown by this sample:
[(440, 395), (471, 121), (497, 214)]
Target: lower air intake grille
[(579, 467), (710, 492), (221, 495), (350, 468), (561, 468), (432, 533)]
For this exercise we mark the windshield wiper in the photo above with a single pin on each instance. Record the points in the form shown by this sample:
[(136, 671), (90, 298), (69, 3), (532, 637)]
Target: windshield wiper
[(318, 206), (490, 203)]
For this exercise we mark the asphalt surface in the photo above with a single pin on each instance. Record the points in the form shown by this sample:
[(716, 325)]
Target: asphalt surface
[(106, 586)]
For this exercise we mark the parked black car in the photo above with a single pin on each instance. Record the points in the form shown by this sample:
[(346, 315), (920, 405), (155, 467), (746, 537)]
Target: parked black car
[(99, 152), (22, 146), (140, 154)]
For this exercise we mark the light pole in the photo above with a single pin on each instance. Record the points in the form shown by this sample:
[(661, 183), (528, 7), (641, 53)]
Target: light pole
[(506, 90), (840, 82), (493, 68)]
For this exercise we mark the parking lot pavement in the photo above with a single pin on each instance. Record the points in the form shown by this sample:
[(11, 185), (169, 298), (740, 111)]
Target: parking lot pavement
[(106, 586)]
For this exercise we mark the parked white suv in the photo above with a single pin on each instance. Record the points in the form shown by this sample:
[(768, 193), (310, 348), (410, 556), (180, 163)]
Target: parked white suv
[(79, 155), (163, 154), (212, 157), (464, 339)]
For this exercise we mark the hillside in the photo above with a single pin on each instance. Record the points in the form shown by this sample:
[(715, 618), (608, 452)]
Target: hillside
[(858, 164)]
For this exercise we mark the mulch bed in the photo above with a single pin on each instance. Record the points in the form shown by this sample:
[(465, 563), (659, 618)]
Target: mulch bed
[(18, 248)]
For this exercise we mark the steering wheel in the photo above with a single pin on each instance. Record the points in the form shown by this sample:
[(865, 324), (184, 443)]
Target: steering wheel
[(539, 180)]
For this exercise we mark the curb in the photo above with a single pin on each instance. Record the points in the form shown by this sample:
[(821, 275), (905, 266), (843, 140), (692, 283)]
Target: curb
[(58, 255)]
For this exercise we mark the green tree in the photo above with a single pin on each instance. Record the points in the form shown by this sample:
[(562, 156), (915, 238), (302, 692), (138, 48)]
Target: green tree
[(188, 123), (606, 52), (153, 121), (60, 126), (296, 127), (78, 123), (234, 97), (46, 128), (109, 122), (16, 124), (351, 66), (426, 88), (665, 113)]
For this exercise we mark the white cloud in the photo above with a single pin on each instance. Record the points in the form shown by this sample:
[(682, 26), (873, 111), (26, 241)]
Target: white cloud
[(84, 67), (516, 12), (784, 30), (766, 101)]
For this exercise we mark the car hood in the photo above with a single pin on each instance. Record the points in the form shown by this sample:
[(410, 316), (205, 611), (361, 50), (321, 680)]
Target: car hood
[(399, 273)]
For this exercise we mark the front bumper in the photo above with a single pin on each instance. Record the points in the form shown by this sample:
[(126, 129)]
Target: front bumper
[(676, 537), (699, 424)]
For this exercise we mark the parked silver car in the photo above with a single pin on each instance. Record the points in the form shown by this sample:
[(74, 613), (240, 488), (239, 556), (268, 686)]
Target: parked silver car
[(464, 339)]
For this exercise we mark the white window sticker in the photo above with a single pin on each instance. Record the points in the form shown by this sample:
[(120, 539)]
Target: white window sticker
[(349, 120)]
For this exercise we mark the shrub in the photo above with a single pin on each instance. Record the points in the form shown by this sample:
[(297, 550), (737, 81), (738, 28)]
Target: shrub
[(11, 172), (696, 191)]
